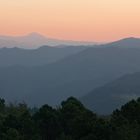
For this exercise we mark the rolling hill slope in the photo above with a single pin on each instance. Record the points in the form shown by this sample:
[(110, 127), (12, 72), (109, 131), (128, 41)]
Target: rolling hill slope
[(114, 94)]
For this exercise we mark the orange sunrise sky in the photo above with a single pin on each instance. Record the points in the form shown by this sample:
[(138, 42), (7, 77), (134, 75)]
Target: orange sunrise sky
[(85, 20)]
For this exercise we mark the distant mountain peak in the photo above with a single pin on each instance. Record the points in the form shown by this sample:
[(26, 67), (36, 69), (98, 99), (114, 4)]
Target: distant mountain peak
[(35, 40), (35, 35), (131, 38), (130, 42)]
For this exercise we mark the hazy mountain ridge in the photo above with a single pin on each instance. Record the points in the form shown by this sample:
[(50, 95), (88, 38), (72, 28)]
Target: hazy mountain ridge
[(36, 57), (130, 42), (35, 40)]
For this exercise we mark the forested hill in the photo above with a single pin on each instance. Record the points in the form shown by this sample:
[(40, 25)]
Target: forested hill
[(70, 121), (113, 94)]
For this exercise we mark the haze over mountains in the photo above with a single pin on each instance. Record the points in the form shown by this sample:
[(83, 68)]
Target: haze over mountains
[(36, 57), (35, 40), (49, 75)]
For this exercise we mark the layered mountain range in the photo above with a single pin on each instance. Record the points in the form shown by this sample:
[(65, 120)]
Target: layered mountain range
[(49, 75)]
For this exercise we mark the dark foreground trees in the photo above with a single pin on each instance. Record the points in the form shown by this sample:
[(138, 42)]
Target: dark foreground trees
[(70, 121)]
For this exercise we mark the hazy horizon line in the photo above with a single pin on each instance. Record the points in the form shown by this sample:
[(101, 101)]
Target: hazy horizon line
[(76, 40)]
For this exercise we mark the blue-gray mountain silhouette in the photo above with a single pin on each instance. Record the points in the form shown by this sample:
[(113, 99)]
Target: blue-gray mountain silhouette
[(36, 57), (74, 75)]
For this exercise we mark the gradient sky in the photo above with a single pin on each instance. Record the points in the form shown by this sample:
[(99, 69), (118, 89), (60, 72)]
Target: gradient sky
[(91, 20)]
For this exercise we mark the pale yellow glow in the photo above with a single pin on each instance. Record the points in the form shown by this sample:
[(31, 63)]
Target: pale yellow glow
[(94, 20)]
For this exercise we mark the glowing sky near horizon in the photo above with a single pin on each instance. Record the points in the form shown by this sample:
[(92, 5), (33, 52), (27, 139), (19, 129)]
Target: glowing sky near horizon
[(91, 20)]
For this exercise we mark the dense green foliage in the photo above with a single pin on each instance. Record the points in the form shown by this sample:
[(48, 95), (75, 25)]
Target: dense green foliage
[(70, 121)]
